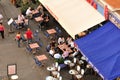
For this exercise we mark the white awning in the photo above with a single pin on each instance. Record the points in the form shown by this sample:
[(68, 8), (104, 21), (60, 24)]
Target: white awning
[(74, 16)]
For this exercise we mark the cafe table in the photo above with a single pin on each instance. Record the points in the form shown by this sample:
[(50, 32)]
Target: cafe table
[(73, 72), (67, 62), (51, 31), (34, 47), (50, 68)]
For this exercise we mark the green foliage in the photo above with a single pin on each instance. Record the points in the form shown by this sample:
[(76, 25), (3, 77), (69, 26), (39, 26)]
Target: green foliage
[(60, 61)]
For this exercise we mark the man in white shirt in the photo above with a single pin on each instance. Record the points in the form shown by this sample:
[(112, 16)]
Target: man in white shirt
[(29, 12)]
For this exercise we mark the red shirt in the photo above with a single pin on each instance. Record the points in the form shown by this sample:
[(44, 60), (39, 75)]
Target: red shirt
[(29, 34), (1, 28)]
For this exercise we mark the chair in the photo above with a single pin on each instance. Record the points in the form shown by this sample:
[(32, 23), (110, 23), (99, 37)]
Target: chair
[(56, 28), (56, 64), (60, 78), (37, 62), (78, 68), (46, 34), (40, 44), (74, 60), (58, 68), (28, 49), (82, 72), (58, 75)]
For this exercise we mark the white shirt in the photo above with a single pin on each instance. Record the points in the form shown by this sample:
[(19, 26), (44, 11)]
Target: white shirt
[(57, 56), (28, 12), (21, 17), (51, 52)]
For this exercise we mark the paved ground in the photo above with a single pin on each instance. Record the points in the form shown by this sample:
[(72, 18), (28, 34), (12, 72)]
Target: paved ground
[(11, 54)]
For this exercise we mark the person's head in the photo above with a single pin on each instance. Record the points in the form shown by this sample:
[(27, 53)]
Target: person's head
[(0, 23), (28, 29), (18, 32)]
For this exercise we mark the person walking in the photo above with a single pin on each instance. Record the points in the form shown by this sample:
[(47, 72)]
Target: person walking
[(29, 35), (2, 30), (18, 37)]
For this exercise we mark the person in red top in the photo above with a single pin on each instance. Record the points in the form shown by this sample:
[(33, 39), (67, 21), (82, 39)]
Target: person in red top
[(29, 35), (2, 30)]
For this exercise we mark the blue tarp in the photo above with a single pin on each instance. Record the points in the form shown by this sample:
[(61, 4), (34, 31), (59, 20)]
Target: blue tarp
[(102, 48)]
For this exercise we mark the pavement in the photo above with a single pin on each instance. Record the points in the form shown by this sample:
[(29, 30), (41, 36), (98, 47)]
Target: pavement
[(11, 54)]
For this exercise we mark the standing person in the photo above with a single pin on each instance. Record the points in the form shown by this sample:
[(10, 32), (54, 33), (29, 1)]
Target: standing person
[(18, 38), (2, 30), (29, 35)]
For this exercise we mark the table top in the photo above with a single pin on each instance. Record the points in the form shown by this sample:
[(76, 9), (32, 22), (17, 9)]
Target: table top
[(34, 45), (35, 11), (78, 76), (38, 19), (51, 31), (73, 72), (67, 62), (50, 68), (65, 46), (41, 57), (49, 78)]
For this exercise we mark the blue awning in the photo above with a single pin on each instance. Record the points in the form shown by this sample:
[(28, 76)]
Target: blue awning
[(102, 48)]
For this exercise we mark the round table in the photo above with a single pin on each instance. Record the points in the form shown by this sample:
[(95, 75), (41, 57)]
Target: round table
[(67, 62), (14, 77), (49, 78), (78, 76), (54, 73), (73, 72), (51, 68)]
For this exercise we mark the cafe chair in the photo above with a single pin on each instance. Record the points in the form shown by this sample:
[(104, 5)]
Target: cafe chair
[(58, 68), (60, 78), (74, 60), (46, 34), (28, 49), (56, 28), (56, 64), (37, 62), (78, 68), (58, 75), (82, 72), (40, 44)]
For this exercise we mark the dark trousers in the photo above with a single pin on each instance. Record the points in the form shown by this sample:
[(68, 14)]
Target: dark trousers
[(2, 34)]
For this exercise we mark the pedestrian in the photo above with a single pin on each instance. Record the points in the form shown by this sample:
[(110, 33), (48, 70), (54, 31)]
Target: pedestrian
[(29, 35), (2, 30), (18, 37)]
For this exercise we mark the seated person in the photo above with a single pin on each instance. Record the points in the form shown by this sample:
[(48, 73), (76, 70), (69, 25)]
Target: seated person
[(76, 51), (61, 40), (52, 51), (40, 8), (45, 21), (29, 12), (65, 54), (21, 20), (68, 40), (57, 56)]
